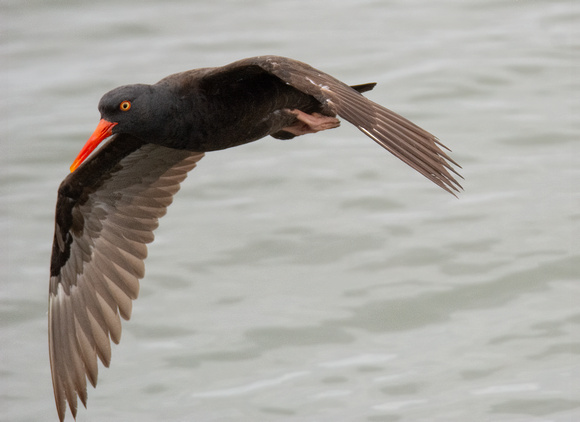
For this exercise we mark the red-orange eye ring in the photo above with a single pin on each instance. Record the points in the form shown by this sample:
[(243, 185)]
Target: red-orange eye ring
[(125, 106)]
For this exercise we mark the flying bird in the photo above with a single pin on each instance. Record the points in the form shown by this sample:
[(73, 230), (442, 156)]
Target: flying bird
[(110, 203)]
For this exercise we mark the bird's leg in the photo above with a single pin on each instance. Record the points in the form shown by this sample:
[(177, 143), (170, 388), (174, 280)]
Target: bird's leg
[(310, 123)]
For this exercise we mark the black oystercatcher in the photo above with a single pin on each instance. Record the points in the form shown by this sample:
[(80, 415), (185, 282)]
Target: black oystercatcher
[(109, 206)]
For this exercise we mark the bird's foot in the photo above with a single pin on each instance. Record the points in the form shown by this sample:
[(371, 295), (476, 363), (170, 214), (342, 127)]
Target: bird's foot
[(310, 123)]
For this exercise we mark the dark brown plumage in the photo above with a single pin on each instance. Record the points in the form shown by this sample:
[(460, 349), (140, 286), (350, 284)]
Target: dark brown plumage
[(108, 208)]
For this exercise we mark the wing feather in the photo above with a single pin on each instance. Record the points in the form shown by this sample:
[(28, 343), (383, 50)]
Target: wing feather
[(413, 145), (106, 215)]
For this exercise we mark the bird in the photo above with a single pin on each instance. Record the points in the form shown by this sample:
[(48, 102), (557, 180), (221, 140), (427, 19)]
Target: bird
[(109, 204)]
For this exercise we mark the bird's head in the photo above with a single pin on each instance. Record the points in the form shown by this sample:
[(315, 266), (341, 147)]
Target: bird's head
[(128, 109)]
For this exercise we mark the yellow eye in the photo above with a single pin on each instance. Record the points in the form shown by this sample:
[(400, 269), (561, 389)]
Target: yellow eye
[(125, 105)]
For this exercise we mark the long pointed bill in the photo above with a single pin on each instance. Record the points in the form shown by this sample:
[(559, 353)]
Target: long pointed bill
[(103, 131)]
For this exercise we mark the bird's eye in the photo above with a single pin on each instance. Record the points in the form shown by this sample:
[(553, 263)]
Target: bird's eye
[(125, 106)]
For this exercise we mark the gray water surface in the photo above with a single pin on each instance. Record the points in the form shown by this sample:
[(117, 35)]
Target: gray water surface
[(317, 279)]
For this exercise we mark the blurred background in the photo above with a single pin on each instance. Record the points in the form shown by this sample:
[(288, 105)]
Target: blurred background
[(318, 279)]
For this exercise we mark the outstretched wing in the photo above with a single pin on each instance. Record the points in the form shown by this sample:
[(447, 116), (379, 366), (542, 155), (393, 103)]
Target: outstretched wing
[(418, 148), (106, 213)]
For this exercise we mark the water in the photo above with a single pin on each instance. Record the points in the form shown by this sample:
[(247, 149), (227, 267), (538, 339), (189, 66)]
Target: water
[(317, 279)]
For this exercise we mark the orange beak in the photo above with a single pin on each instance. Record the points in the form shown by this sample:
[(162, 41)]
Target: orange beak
[(104, 130)]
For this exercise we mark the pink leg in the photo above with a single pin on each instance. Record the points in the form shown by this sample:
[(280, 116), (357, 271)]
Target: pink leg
[(310, 123)]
